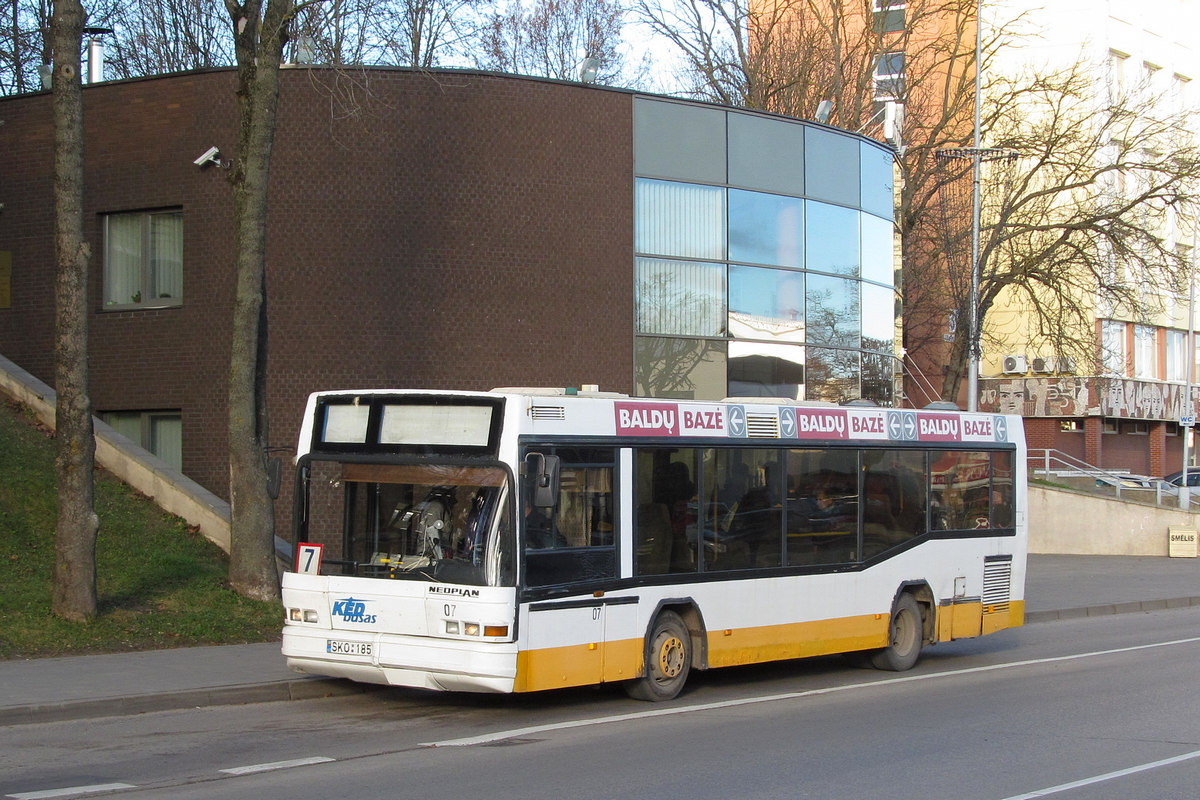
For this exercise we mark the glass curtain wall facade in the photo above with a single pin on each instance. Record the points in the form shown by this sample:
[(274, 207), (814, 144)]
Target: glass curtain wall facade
[(765, 259)]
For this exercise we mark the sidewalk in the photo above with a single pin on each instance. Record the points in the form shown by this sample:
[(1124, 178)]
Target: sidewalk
[(53, 689)]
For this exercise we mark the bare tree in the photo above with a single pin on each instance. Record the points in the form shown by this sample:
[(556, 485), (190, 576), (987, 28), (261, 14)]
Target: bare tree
[(74, 593), (260, 35), (1077, 225), (412, 33), (551, 37), (24, 44), (157, 36)]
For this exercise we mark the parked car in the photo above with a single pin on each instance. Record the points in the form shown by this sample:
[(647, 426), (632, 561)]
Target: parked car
[(1176, 478)]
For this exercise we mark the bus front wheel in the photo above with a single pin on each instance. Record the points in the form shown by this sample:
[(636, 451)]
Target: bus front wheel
[(668, 660), (905, 633)]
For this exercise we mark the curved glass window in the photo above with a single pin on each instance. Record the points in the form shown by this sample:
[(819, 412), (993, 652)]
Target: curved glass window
[(685, 369), (766, 304), (680, 219), (759, 369), (680, 297), (831, 238), (766, 228), (832, 311), (832, 375), (878, 250), (878, 318)]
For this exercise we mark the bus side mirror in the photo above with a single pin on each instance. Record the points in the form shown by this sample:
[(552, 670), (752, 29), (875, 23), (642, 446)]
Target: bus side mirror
[(543, 472)]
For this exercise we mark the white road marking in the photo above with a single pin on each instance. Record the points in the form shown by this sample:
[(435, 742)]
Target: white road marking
[(72, 790), (295, 762), (1108, 776), (517, 733)]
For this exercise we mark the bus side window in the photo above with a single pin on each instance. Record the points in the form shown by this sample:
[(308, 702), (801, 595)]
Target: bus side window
[(665, 511), (573, 542)]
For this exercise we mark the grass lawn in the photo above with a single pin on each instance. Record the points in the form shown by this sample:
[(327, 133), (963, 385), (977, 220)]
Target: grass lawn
[(160, 584)]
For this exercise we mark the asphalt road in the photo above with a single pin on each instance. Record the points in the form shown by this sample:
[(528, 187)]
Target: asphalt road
[(1084, 708)]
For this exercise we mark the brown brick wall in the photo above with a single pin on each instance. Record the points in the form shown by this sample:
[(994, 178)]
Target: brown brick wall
[(445, 230)]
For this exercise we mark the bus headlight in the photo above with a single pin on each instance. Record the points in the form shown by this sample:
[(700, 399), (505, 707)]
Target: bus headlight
[(471, 628), (302, 615)]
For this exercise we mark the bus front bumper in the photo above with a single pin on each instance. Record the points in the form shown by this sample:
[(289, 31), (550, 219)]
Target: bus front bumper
[(395, 660)]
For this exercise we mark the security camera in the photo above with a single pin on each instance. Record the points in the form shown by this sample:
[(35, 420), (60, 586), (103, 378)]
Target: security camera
[(211, 156)]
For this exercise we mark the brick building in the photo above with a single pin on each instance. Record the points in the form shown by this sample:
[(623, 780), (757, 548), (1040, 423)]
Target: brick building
[(449, 229)]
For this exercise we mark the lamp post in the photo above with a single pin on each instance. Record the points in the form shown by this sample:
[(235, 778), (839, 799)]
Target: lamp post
[(1186, 410), (978, 154)]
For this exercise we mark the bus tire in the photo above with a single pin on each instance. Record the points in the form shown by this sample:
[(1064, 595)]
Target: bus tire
[(905, 633), (668, 660)]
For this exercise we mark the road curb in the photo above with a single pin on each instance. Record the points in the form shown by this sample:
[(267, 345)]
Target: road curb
[(1104, 610), (297, 689)]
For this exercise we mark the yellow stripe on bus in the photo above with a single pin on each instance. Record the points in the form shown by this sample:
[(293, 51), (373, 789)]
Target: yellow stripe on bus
[(599, 662)]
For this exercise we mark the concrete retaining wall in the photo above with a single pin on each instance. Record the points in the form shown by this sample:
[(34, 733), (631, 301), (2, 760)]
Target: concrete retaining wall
[(1077, 523), (171, 490)]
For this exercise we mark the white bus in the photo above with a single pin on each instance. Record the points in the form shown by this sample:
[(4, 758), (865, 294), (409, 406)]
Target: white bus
[(525, 539)]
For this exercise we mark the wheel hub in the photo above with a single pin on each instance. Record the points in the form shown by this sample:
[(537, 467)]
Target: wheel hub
[(670, 657)]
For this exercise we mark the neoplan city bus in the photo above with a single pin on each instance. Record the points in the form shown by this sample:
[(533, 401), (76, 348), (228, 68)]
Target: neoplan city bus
[(525, 539)]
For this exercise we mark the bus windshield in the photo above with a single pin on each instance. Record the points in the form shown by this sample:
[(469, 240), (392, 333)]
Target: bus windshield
[(432, 522)]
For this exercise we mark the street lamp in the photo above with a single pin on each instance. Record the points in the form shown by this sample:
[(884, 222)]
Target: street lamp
[(978, 155)]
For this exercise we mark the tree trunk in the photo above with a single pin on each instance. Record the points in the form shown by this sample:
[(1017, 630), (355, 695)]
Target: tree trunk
[(259, 45), (74, 593)]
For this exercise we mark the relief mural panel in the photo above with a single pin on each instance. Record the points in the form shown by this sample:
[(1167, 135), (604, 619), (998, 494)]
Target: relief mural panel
[(1070, 396)]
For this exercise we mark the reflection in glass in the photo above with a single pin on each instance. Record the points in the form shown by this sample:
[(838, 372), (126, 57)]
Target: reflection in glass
[(878, 378), (765, 228), (831, 238), (766, 304), (878, 318), (961, 491), (832, 311), (893, 499), (759, 369), (832, 375), (877, 180), (742, 507), (822, 506), (680, 297), (680, 219), (878, 250), (684, 369)]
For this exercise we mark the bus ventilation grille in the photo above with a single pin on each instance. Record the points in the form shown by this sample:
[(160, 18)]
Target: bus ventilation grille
[(762, 426), (548, 412), (997, 585)]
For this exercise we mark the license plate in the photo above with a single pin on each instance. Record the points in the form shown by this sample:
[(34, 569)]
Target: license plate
[(347, 648)]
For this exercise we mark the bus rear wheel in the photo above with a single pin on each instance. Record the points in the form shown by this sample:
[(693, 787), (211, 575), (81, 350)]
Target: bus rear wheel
[(668, 660), (905, 633)]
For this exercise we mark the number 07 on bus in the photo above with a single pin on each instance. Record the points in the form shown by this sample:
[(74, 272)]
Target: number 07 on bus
[(528, 539)]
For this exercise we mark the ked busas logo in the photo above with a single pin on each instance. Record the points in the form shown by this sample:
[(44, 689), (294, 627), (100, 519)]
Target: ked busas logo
[(352, 610)]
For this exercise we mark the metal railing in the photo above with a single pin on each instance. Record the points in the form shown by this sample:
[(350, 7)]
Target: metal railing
[(1049, 462)]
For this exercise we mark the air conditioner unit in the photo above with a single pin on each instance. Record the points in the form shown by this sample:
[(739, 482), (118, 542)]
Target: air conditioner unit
[(1065, 365), (1015, 365), (1043, 365)]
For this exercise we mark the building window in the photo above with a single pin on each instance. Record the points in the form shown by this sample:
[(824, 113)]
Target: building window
[(1071, 425), (1112, 356), (680, 219), (1138, 427), (889, 76), (1177, 355), (143, 259), (1145, 352), (890, 21), (1109, 426), (160, 432)]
